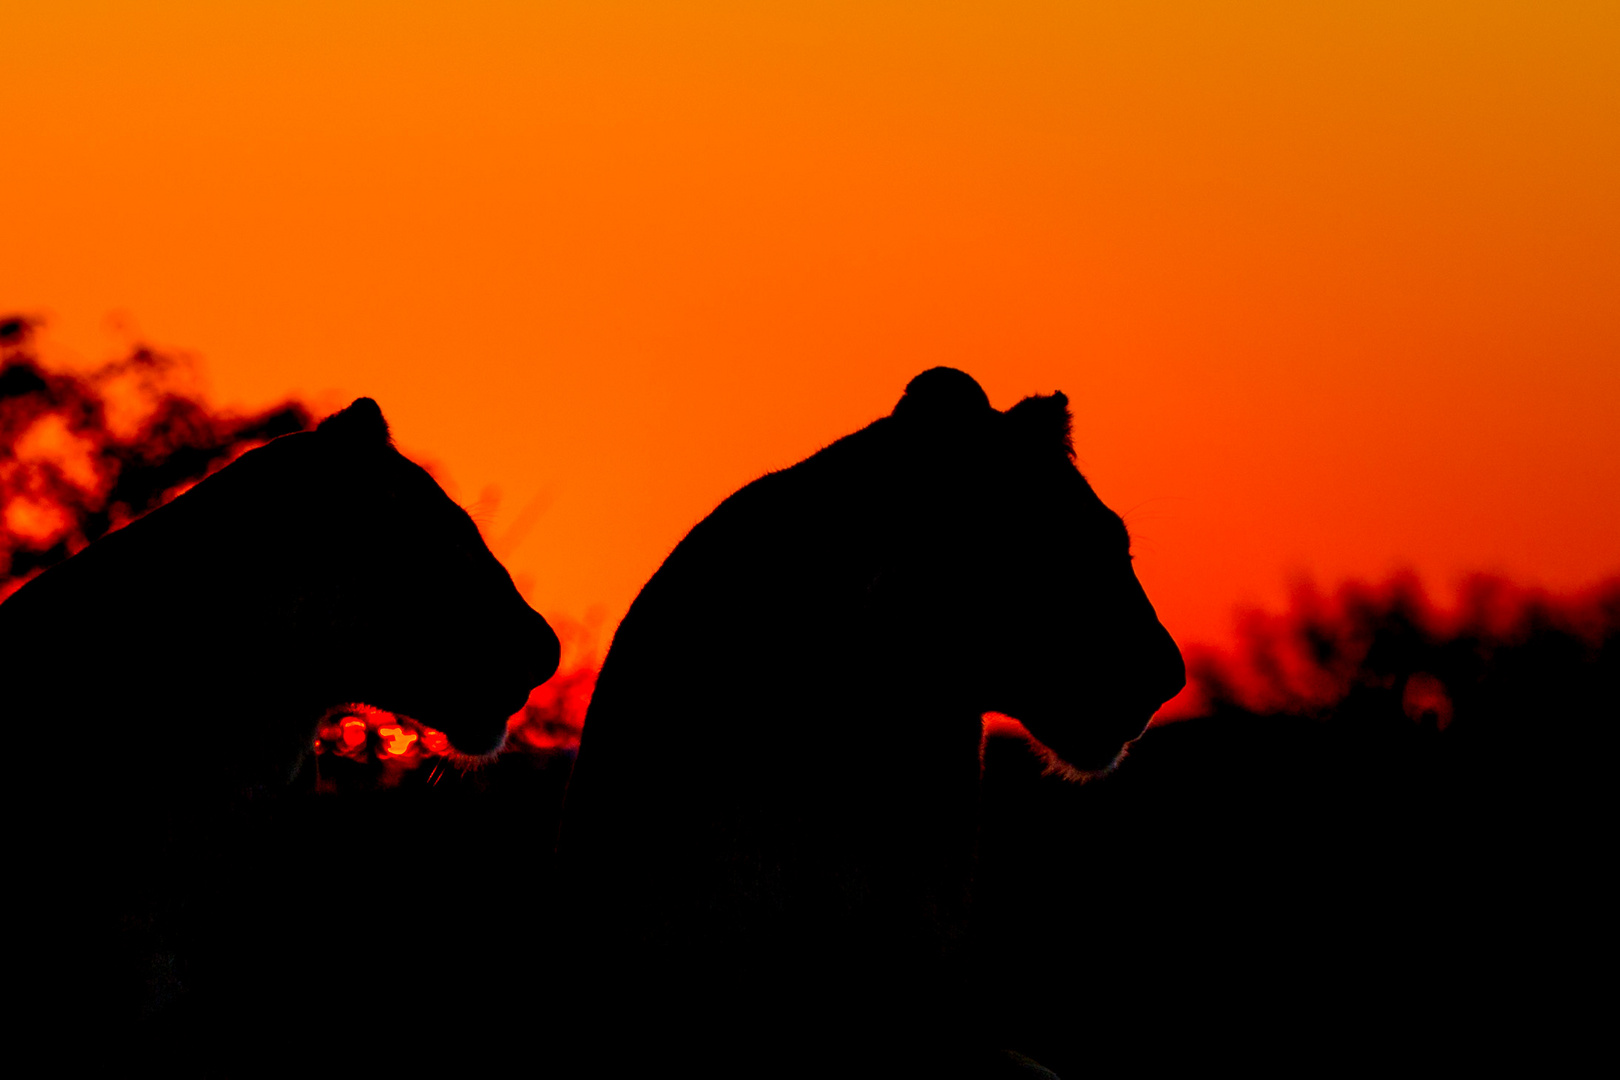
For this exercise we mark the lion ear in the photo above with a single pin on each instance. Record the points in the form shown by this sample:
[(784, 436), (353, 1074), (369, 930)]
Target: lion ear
[(1046, 420), (943, 396), (361, 423)]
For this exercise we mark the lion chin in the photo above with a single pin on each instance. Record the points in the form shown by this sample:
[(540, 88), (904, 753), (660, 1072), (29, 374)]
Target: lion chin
[(1055, 765)]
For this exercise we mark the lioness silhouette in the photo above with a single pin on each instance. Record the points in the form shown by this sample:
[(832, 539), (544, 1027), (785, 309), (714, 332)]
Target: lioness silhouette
[(184, 661), (771, 823)]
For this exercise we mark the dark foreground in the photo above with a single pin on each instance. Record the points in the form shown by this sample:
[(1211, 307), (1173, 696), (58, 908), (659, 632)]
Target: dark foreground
[(1246, 889), (1406, 871)]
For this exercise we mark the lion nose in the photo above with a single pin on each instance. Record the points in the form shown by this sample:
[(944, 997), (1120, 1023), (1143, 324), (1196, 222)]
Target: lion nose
[(539, 648), (1172, 668)]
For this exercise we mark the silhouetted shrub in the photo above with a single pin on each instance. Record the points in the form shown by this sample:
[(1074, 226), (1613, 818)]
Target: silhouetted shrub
[(83, 454)]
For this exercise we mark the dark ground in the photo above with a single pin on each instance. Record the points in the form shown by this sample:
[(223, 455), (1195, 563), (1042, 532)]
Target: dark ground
[(1277, 892), (1384, 877)]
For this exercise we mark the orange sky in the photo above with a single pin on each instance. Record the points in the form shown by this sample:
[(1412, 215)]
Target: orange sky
[(1334, 288)]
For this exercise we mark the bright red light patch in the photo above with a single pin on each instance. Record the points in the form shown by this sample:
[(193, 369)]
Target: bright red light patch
[(396, 739), (354, 733)]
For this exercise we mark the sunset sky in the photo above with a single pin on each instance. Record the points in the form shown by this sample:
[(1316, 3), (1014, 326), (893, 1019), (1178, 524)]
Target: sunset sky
[(1334, 288)]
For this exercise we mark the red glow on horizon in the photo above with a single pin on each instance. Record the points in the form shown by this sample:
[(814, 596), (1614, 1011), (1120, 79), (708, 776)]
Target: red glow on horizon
[(1309, 659)]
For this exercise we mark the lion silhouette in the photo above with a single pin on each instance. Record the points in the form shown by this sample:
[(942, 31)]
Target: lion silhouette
[(771, 823), (182, 663)]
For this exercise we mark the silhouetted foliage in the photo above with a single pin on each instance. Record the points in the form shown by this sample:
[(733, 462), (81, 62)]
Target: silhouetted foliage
[(70, 471)]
